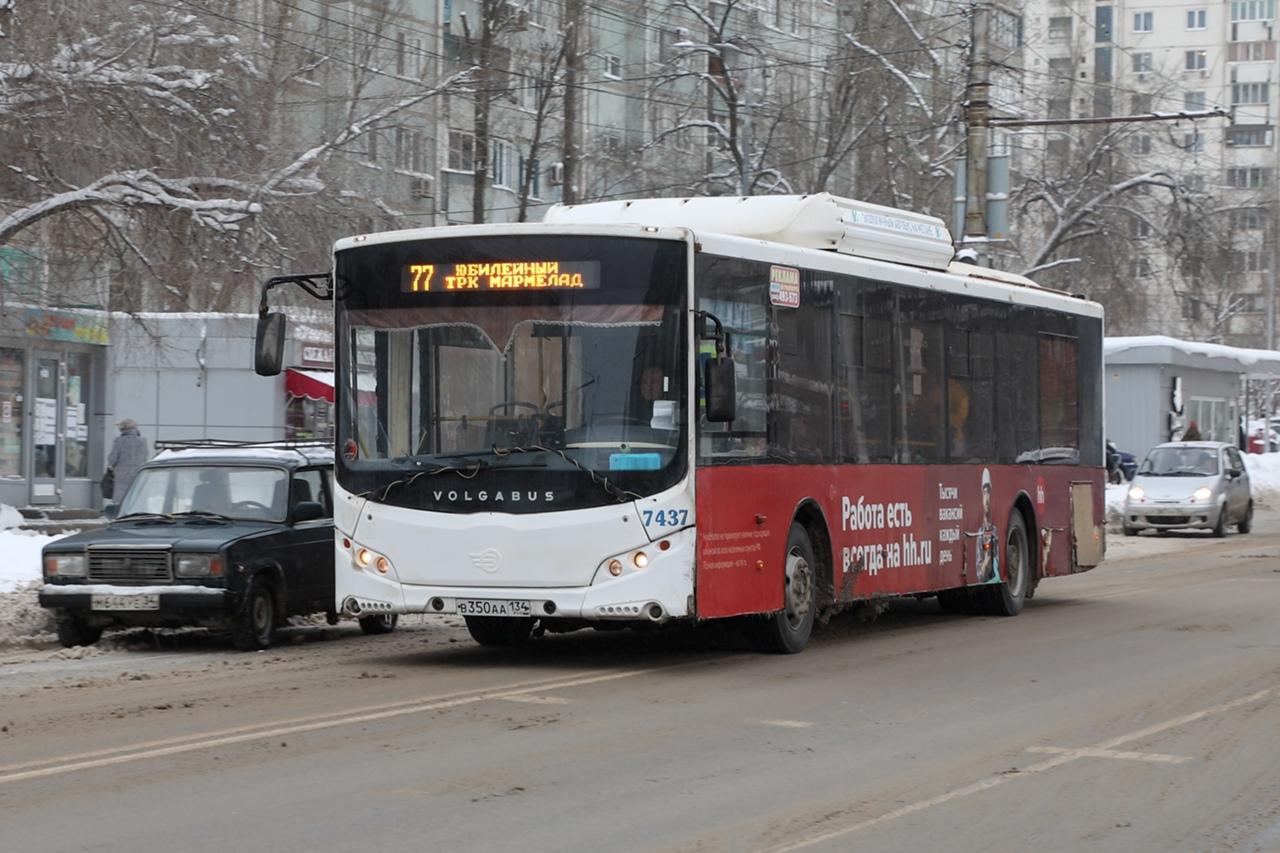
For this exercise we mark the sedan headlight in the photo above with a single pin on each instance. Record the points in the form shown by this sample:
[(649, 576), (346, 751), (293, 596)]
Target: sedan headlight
[(64, 565), (197, 565), (1202, 494), (1137, 493)]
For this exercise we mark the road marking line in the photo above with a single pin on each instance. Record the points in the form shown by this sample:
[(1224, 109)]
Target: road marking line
[(1089, 752), (786, 724), (7, 768), (995, 781), (537, 700), (74, 763)]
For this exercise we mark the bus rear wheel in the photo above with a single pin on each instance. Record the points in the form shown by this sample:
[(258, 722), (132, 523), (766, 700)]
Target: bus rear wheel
[(787, 631), (1006, 599), (499, 631)]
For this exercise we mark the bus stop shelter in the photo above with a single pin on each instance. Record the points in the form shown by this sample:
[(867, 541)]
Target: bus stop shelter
[(1156, 386)]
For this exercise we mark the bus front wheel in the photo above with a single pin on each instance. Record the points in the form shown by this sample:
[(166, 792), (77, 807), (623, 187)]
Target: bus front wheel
[(499, 630), (787, 631)]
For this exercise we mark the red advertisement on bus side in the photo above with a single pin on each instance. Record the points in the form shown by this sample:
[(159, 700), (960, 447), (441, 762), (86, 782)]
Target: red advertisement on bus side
[(891, 529)]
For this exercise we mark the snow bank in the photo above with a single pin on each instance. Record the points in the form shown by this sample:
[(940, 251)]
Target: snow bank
[(1115, 503), (22, 620), (1264, 476), (20, 557), (9, 517)]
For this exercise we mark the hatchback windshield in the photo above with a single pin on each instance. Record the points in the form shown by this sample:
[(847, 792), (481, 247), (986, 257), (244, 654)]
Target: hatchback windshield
[(254, 493), (1180, 462)]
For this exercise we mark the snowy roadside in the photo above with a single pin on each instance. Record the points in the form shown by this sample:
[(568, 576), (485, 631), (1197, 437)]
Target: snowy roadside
[(22, 620)]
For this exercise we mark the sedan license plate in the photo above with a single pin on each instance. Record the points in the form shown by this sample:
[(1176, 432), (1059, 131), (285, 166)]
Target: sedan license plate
[(124, 602), (493, 607)]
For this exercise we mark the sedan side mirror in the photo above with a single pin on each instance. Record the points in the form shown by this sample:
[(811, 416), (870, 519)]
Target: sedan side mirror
[(110, 511), (268, 350), (307, 511)]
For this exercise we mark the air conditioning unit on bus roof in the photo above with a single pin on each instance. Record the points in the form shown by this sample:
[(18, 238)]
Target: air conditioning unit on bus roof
[(818, 221)]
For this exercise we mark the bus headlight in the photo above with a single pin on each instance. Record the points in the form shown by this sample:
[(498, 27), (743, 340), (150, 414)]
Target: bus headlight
[(364, 558), (64, 565)]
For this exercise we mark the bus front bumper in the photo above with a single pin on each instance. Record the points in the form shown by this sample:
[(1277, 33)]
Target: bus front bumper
[(660, 591)]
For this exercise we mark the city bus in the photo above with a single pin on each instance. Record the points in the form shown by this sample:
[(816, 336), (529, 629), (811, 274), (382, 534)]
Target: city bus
[(767, 408)]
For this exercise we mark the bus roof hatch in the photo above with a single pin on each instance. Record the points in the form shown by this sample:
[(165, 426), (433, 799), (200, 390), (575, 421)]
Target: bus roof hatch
[(818, 221)]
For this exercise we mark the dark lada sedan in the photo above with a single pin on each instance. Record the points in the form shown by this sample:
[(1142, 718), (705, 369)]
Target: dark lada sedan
[(237, 537)]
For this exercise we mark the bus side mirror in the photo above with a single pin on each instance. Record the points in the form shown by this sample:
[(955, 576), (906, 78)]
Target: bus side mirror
[(268, 349), (721, 387)]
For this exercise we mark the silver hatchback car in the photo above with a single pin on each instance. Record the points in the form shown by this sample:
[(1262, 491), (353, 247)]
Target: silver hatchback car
[(1190, 485)]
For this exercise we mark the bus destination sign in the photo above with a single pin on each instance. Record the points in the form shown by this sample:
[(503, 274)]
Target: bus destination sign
[(501, 275)]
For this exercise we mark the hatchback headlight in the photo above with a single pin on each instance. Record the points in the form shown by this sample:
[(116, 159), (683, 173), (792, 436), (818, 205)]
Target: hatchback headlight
[(64, 565), (196, 565), (1201, 494), (1137, 493)]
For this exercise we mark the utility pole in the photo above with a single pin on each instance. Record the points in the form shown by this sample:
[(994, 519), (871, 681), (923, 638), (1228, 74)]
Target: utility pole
[(746, 173), (572, 65), (977, 117)]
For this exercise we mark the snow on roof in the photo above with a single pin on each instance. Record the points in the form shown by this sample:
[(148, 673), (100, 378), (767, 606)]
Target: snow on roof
[(1161, 349), (817, 221)]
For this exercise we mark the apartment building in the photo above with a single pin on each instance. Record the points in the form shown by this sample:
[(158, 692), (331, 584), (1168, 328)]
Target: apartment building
[(1200, 258)]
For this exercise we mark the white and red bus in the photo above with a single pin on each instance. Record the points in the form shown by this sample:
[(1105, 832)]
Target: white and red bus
[(688, 409)]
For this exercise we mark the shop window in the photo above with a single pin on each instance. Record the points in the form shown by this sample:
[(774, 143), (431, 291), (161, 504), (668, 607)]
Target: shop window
[(11, 364), (76, 416), (46, 418)]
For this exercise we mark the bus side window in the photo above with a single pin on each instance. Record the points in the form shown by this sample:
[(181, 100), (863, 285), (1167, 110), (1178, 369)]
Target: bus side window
[(920, 383), (1017, 394), (970, 397)]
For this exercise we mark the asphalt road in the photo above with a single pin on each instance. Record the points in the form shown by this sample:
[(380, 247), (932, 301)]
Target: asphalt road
[(1133, 708)]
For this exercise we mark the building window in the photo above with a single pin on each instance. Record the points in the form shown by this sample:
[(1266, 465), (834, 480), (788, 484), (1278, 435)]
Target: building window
[(612, 66), (530, 169), (1194, 183), (1250, 93), (1059, 108), (12, 370), (1140, 227), (1196, 19), (1140, 143), (1144, 22), (462, 146), (1253, 10), (1197, 60), (1247, 220), (1251, 136), (1102, 24), (1140, 268), (1008, 29), (1248, 177), (1140, 103), (500, 162), (1193, 100), (1193, 141), (1141, 63), (1251, 261), (1252, 51), (1060, 29), (1061, 67)]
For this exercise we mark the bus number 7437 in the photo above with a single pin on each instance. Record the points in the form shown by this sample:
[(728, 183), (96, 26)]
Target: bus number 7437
[(665, 517)]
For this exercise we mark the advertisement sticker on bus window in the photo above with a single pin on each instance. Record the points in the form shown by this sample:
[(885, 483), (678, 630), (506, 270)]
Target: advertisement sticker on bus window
[(784, 287)]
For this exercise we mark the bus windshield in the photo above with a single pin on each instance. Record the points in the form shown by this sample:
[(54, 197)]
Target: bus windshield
[(509, 374)]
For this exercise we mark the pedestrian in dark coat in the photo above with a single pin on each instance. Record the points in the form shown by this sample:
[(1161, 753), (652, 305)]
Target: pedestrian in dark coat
[(128, 453)]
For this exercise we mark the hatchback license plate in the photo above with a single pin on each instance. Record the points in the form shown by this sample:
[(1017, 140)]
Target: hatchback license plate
[(493, 607), (124, 602)]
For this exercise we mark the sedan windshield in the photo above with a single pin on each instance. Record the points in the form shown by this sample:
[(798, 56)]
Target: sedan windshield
[(251, 493), (1180, 462), (564, 396)]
